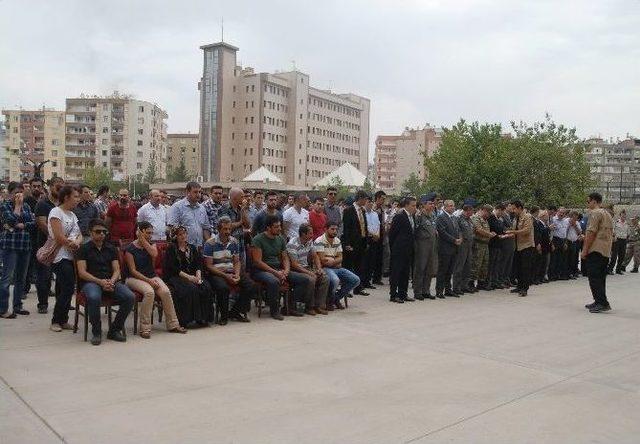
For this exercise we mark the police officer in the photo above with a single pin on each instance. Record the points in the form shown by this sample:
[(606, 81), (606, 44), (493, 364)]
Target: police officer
[(462, 268), (426, 248)]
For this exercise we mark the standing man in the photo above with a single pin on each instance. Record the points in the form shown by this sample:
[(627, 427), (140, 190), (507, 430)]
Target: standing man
[(633, 246), (213, 206), (256, 206), (373, 228), (377, 246), (621, 232), (596, 251), (85, 211), (332, 208), (237, 209), (496, 225), (559, 227), (354, 238), (464, 258), (102, 201), (574, 234), (295, 215), (508, 248), (482, 236), (317, 217), (401, 241), (156, 214), (191, 214), (449, 241), (259, 223), (121, 217), (522, 229), (425, 261)]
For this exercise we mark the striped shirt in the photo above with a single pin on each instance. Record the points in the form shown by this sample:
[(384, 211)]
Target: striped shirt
[(331, 250), (221, 253), (299, 252)]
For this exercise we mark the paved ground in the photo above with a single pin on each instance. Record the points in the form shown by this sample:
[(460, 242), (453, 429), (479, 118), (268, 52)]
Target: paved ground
[(489, 367)]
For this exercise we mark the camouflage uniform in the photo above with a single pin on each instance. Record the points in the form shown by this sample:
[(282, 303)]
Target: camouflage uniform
[(480, 269), (633, 248)]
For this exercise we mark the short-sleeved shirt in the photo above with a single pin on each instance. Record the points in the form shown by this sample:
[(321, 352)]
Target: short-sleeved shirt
[(222, 253), (260, 221), (86, 212), (123, 221), (98, 260), (334, 215), (294, 219), (213, 209), (299, 252), (43, 208), (272, 249), (331, 250), (70, 228), (318, 223), (191, 216), (156, 216), (142, 259), (601, 224)]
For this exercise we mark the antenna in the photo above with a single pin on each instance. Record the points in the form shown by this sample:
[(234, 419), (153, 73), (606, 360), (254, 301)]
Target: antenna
[(222, 28)]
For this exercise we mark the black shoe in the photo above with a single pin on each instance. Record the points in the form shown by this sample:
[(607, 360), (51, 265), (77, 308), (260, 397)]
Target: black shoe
[(619, 272), (399, 300), (409, 299), (545, 281), (21, 312), (222, 321), (96, 339), (590, 306), (452, 295), (439, 295), (240, 317), (295, 313), (378, 283), (277, 316), (599, 308), (523, 293), (42, 310), (362, 293), (514, 290), (116, 335), (448, 293), (369, 286), (419, 298), (635, 270), (428, 296), (610, 273), (458, 292)]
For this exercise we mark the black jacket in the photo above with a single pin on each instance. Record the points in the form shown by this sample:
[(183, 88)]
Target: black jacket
[(401, 234), (448, 232), (351, 234), (497, 226)]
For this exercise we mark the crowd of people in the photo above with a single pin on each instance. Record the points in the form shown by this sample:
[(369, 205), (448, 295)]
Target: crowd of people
[(203, 258)]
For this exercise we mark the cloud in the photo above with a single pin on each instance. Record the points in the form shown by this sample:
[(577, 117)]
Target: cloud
[(418, 61)]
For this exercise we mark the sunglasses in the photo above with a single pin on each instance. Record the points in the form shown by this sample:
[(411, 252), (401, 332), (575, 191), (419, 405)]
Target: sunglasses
[(105, 232), (331, 194)]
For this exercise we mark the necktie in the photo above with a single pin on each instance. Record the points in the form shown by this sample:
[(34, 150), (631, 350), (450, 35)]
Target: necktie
[(361, 217)]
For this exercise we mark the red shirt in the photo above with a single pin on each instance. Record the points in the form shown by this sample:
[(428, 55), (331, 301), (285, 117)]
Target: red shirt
[(317, 222), (123, 221)]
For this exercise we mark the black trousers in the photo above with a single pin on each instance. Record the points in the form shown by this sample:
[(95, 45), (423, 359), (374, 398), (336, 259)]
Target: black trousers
[(400, 272), (618, 251), (355, 261), (524, 264), (572, 258), (495, 263), (65, 287), (541, 269), (377, 251), (221, 289), (558, 266), (446, 263), (595, 266)]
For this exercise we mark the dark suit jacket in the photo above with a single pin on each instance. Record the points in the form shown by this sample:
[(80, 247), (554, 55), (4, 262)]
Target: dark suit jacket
[(448, 232), (351, 234), (401, 234)]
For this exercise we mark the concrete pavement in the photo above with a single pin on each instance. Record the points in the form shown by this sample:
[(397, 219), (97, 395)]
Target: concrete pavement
[(490, 367)]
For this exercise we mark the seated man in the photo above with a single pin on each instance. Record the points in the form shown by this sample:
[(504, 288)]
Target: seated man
[(304, 259), (329, 250), (222, 259), (271, 267), (99, 272)]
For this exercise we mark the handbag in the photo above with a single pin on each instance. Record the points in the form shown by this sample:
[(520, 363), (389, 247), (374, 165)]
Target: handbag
[(47, 253)]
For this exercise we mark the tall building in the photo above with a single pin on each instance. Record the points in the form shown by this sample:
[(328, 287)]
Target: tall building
[(615, 168), (4, 153), (115, 132), (298, 132), (397, 157), (184, 147), (31, 137)]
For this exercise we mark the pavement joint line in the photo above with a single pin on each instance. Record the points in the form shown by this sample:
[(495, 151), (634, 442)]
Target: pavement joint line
[(32, 410), (521, 397)]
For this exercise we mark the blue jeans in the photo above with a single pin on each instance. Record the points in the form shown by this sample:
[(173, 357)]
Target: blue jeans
[(300, 283), (65, 286), (272, 285), (346, 279), (121, 295), (14, 268)]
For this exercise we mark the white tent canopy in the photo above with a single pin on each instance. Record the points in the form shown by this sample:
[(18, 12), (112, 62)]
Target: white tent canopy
[(349, 176), (262, 174)]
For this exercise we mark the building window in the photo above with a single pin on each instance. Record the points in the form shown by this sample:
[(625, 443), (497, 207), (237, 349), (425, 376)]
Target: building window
[(139, 165), (104, 152), (104, 164), (141, 109), (139, 142), (140, 131)]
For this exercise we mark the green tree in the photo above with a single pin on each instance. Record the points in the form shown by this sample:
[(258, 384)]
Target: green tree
[(150, 174), (338, 184), (541, 163), (95, 177), (180, 174), (414, 186)]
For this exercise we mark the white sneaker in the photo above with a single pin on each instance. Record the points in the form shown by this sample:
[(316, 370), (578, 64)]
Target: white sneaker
[(56, 328)]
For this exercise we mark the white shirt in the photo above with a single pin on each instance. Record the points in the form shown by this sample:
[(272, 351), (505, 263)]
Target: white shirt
[(70, 228), (373, 222), (292, 220), (156, 216), (573, 232)]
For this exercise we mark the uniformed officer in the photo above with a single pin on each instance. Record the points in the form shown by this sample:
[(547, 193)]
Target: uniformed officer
[(425, 262), (633, 246), (483, 235), (462, 267)]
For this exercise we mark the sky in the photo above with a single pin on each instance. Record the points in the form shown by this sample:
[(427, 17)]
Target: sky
[(418, 61)]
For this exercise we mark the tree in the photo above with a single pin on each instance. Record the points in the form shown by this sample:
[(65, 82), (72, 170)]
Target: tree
[(179, 174), (95, 177), (541, 163), (368, 186), (150, 174), (342, 190), (414, 186)]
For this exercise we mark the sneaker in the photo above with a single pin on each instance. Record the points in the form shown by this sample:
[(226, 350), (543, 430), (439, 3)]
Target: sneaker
[(56, 328), (599, 308), (591, 305)]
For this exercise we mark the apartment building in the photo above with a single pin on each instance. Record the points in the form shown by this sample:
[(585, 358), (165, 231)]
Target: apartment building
[(184, 147), (4, 153), (298, 132), (115, 132), (31, 137), (615, 168), (397, 157)]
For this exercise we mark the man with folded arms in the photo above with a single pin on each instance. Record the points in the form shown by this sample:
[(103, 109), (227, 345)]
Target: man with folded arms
[(99, 274)]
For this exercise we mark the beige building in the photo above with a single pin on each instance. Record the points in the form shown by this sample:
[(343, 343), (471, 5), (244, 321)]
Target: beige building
[(184, 147), (115, 132), (397, 157), (615, 168), (298, 132), (33, 136)]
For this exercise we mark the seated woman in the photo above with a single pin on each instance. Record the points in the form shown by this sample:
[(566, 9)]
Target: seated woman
[(192, 296), (139, 257)]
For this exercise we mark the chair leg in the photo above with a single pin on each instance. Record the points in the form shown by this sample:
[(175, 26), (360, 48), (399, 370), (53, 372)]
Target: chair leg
[(135, 318), (76, 316), (86, 323), (109, 318), (259, 301)]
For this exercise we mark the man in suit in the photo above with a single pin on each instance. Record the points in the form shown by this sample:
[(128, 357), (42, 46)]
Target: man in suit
[(401, 243), (449, 241), (378, 245), (355, 238)]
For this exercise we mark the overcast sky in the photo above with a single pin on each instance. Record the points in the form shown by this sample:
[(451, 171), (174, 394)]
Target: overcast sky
[(418, 61)]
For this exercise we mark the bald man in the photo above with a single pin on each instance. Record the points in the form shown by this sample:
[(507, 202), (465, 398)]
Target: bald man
[(156, 214), (121, 217)]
